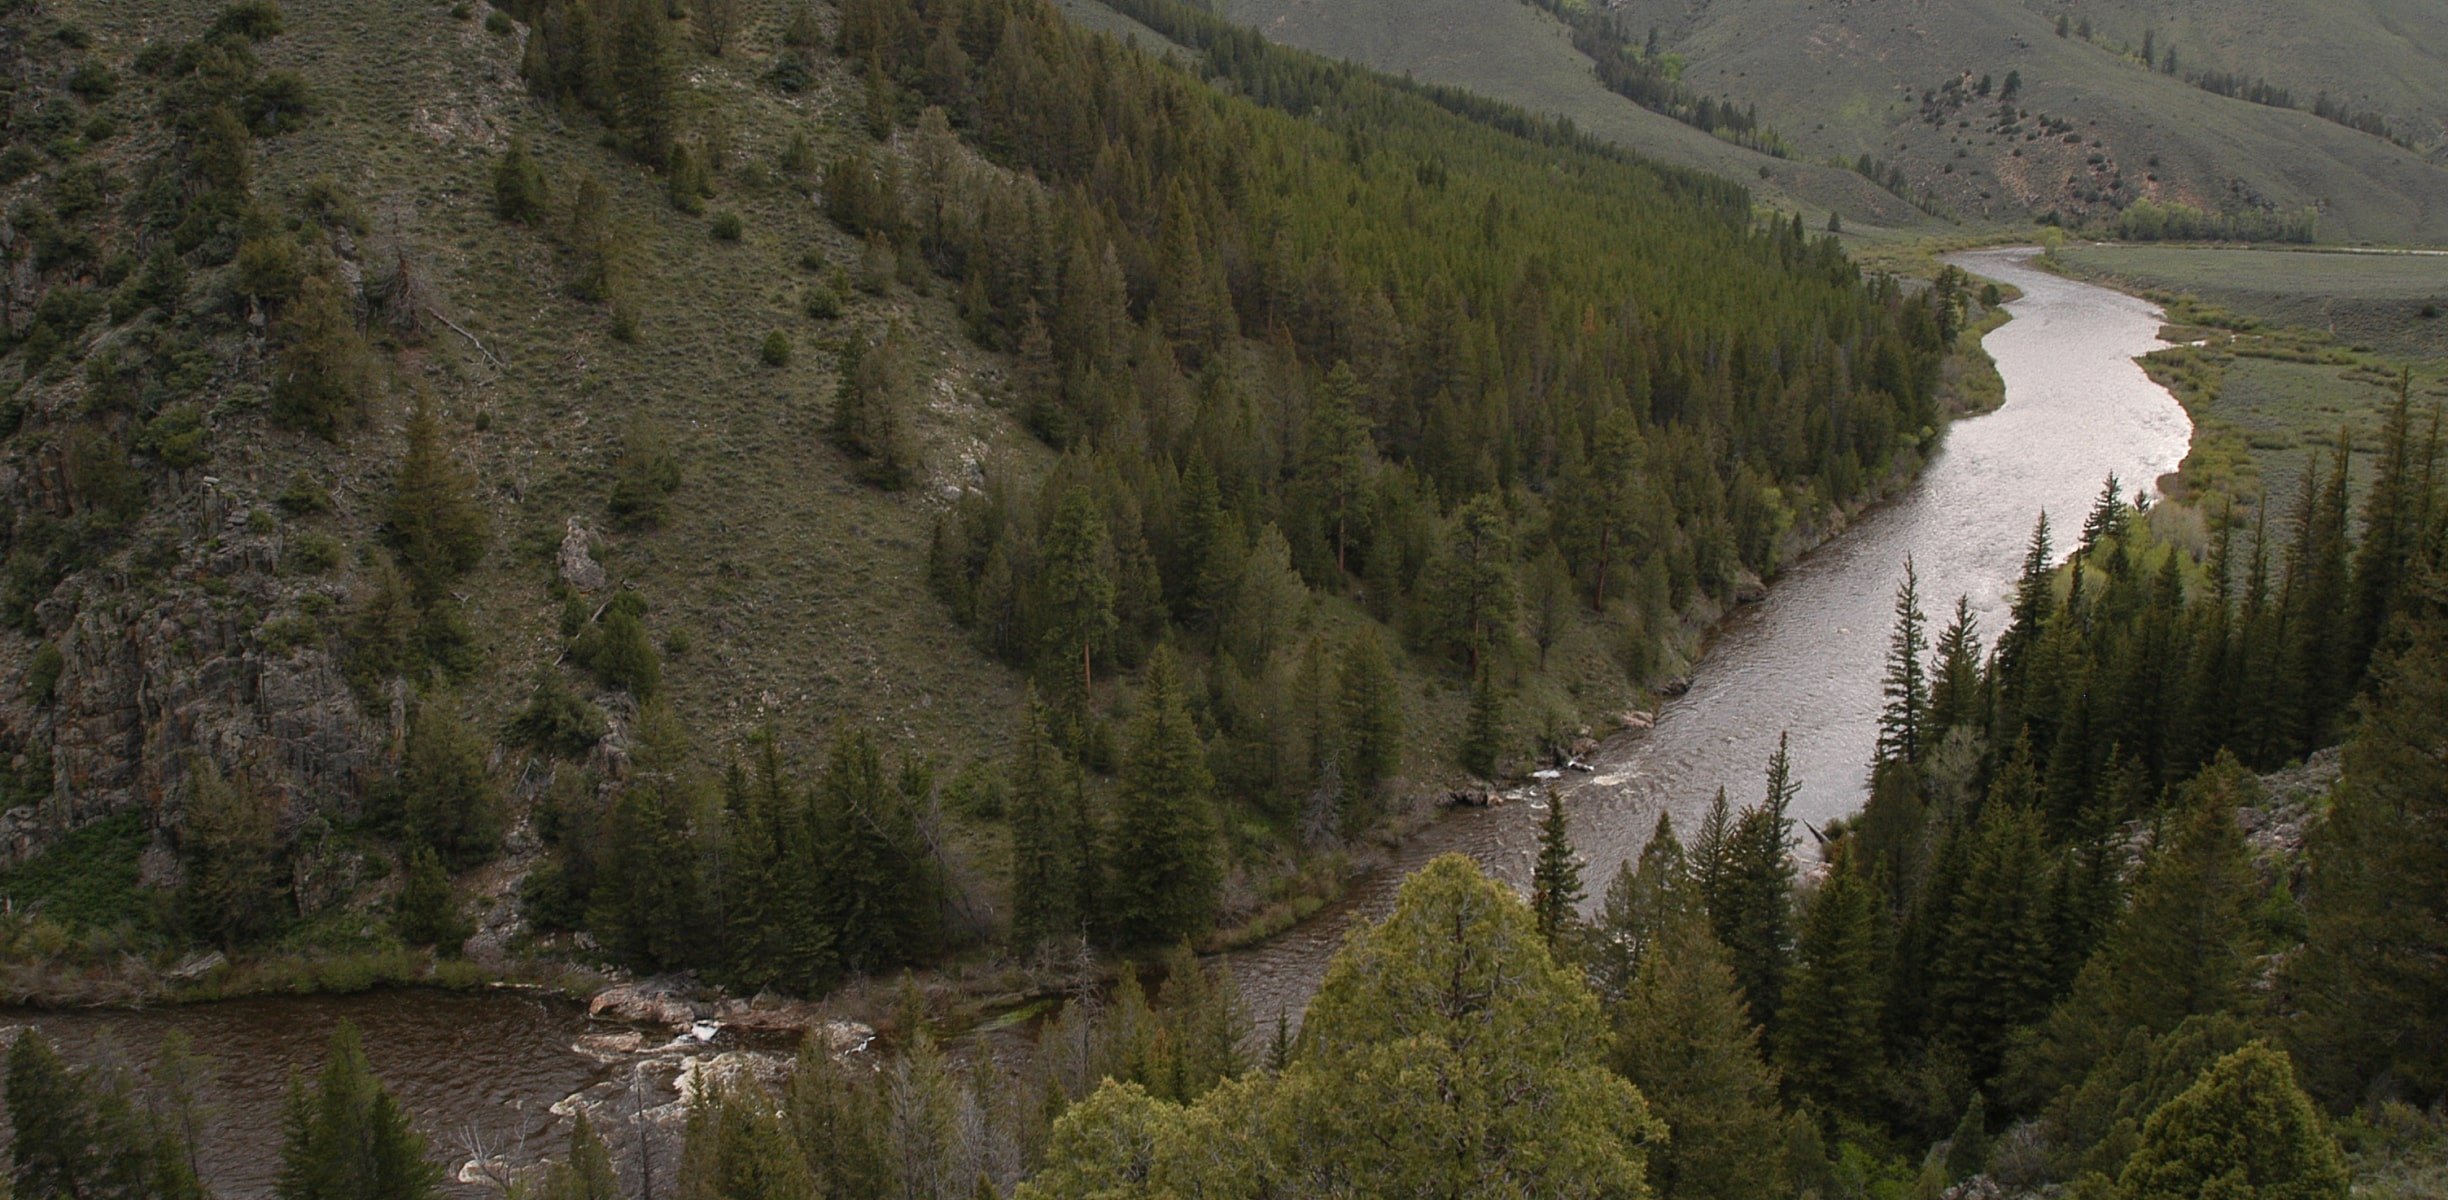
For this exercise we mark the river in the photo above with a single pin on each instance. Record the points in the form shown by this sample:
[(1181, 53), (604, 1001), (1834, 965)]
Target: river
[(1805, 662)]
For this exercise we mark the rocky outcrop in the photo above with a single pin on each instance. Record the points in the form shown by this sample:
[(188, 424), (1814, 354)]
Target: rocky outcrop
[(578, 567), (661, 1002)]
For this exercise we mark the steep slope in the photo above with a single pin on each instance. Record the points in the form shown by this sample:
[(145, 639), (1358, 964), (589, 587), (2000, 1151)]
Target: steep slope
[(1515, 53), (2090, 132)]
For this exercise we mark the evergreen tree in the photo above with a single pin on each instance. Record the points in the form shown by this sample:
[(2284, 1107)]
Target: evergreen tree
[(325, 372), (1165, 872), (1828, 1041), (519, 191), (2371, 982), (1047, 859), (870, 420), (1485, 738), (1645, 895), (1968, 1147), (1751, 907), (884, 888), (1337, 457), (1993, 970), (1902, 720), (1076, 593), (587, 1173), (427, 913), (1555, 882), (651, 919), (1370, 715), (1471, 586), (1956, 688), (448, 798), (1684, 1038), (2243, 1129), (347, 1139), (432, 519), (2177, 951), (230, 845), (737, 1148), (643, 77), (54, 1154)]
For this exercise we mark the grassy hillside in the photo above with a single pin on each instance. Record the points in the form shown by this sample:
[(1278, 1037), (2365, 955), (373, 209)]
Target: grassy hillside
[(2089, 133), (2390, 303), (2387, 56), (1515, 53)]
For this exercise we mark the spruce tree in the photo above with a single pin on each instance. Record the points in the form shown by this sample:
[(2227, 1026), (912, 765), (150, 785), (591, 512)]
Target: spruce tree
[(1370, 715), (1752, 910), (426, 912), (1956, 687), (519, 192), (325, 371), (432, 520), (54, 1154), (1047, 859), (1485, 738), (231, 847), (347, 1139), (642, 77), (1075, 588), (1828, 1040), (1470, 585), (1902, 720), (870, 420), (449, 800), (1337, 456), (1555, 881), (1165, 869), (2372, 985), (1685, 1039), (587, 1173), (1993, 970)]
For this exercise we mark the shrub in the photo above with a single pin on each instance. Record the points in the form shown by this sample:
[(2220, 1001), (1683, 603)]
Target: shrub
[(823, 303), (304, 496), (253, 20), (557, 721), (644, 479), (499, 22), (43, 674), (777, 349), (727, 227)]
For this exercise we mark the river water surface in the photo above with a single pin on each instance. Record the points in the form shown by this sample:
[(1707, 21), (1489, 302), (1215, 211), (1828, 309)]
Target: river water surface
[(1804, 662)]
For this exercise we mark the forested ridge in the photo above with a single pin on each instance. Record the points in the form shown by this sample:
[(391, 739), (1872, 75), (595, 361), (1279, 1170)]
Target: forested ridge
[(1349, 403)]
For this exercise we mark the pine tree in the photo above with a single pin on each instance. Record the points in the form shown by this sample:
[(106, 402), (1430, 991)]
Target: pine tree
[(885, 891), (870, 420), (1902, 720), (587, 1173), (2372, 985), (2243, 1129), (2178, 950), (427, 913), (1471, 591), (1047, 859), (1752, 908), (432, 520), (347, 1139), (2034, 603), (1337, 457), (642, 77), (1685, 1039), (519, 192), (1165, 872), (1956, 689), (1643, 898), (54, 1154), (652, 918), (1370, 716), (448, 797), (1075, 587), (1828, 1041), (230, 845), (1484, 736), (1993, 969), (1555, 882), (1968, 1147), (325, 371)]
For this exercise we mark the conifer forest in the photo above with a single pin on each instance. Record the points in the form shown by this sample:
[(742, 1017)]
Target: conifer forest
[(877, 557)]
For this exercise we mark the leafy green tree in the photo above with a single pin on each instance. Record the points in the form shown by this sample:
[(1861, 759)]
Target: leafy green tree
[(1164, 867), (2245, 1130), (448, 798), (347, 1139), (1555, 881), (432, 520)]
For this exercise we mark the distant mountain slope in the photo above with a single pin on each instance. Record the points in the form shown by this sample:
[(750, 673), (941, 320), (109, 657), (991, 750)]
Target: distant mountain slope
[(1515, 53), (2386, 56), (2090, 131)]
